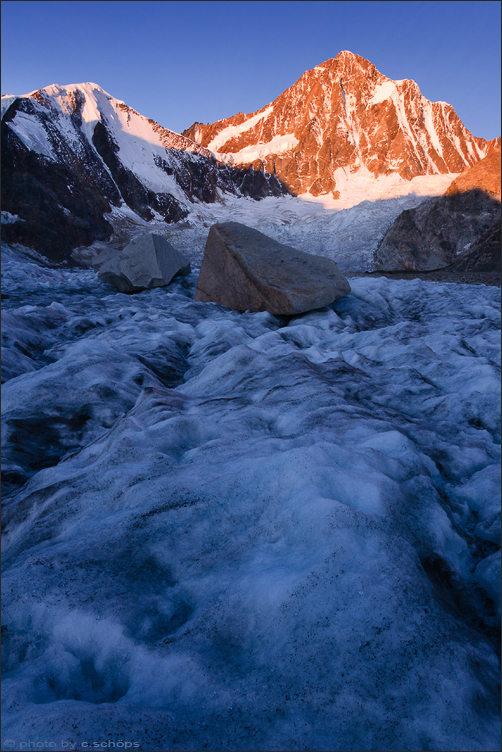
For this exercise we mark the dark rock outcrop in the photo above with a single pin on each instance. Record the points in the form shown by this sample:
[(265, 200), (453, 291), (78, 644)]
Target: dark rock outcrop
[(60, 205), (248, 271), (437, 232), (441, 231), (484, 253)]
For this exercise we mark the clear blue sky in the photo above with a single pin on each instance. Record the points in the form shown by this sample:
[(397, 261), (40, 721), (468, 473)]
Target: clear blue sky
[(178, 62)]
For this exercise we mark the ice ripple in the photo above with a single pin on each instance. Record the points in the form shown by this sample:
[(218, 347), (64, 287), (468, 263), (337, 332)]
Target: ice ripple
[(267, 533)]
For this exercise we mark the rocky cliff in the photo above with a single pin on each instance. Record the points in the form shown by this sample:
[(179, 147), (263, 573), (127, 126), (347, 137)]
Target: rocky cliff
[(485, 176), (341, 118)]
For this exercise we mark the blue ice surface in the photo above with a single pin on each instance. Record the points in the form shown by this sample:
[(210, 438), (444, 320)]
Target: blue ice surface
[(236, 531)]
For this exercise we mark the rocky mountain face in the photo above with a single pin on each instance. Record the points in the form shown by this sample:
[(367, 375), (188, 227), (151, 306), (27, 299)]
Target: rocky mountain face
[(340, 118), (484, 254), (485, 176), (74, 158), (461, 228), (71, 154)]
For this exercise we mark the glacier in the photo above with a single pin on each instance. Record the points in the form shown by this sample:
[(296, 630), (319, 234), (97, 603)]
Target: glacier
[(239, 531), (347, 231)]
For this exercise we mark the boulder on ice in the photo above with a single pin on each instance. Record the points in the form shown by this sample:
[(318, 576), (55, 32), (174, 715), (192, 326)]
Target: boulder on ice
[(147, 261), (248, 271)]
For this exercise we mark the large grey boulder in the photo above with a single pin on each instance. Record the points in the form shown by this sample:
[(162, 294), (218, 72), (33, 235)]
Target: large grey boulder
[(248, 271), (147, 261)]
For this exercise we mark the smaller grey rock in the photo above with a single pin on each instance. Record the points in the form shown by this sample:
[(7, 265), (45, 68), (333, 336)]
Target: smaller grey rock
[(248, 271), (147, 261)]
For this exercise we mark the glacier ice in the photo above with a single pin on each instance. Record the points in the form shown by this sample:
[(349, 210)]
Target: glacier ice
[(239, 531)]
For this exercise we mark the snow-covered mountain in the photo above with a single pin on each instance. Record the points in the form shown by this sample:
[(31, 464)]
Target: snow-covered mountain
[(70, 153), (340, 120), (80, 167)]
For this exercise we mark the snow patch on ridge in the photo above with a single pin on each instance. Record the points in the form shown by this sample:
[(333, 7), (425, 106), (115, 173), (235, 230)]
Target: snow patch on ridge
[(278, 145), (428, 115), (7, 100), (383, 91), (32, 134), (235, 130)]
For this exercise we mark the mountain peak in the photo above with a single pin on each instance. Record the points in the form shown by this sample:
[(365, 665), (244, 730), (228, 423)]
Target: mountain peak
[(87, 87), (72, 154), (344, 60), (345, 56), (340, 118)]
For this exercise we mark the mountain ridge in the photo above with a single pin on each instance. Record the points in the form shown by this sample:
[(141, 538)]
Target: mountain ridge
[(71, 153)]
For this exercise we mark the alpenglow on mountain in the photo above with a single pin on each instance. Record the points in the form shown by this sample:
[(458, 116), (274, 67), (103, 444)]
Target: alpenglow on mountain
[(75, 159), (340, 118)]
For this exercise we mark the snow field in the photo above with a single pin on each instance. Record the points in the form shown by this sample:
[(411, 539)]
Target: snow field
[(251, 532)]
